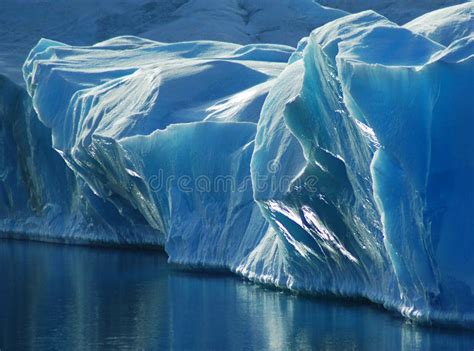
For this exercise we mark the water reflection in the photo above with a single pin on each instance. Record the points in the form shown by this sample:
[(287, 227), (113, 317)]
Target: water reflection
[(64, 297)]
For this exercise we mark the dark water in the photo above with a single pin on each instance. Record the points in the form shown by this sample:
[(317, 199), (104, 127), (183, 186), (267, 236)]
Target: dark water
[(79, 298)]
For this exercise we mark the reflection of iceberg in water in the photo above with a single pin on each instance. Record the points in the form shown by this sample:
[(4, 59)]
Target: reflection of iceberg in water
[(151, 305)]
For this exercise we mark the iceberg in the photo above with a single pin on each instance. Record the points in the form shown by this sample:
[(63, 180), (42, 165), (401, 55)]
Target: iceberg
[(343, 166), (164, 132), (375, 133), (40, 197)]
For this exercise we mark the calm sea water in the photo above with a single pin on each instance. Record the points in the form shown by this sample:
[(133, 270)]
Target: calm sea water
[(55, 297)]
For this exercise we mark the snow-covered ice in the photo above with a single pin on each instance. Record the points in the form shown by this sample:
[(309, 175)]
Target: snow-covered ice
[(85, 22), (398, 11), (446, 25)]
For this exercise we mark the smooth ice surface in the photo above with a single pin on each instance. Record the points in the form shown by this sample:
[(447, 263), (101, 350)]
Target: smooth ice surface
[(343, 167)]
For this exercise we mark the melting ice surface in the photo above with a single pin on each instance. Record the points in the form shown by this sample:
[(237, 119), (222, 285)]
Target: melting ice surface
[(154, 306), (343, 167)]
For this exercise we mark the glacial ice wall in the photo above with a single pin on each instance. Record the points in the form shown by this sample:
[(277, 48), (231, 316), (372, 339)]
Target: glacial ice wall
[(40, 196), (165, 130), (375, 133), (344, 166)]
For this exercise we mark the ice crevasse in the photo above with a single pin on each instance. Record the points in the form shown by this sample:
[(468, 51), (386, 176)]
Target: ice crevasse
[(344, 166)]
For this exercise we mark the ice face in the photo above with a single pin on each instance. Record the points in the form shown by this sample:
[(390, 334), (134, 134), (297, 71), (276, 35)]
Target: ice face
[(341, 167), (40, 197), (165, 130), (382, 120)]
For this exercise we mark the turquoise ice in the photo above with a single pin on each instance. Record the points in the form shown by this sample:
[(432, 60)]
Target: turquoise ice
[(343, 167)]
